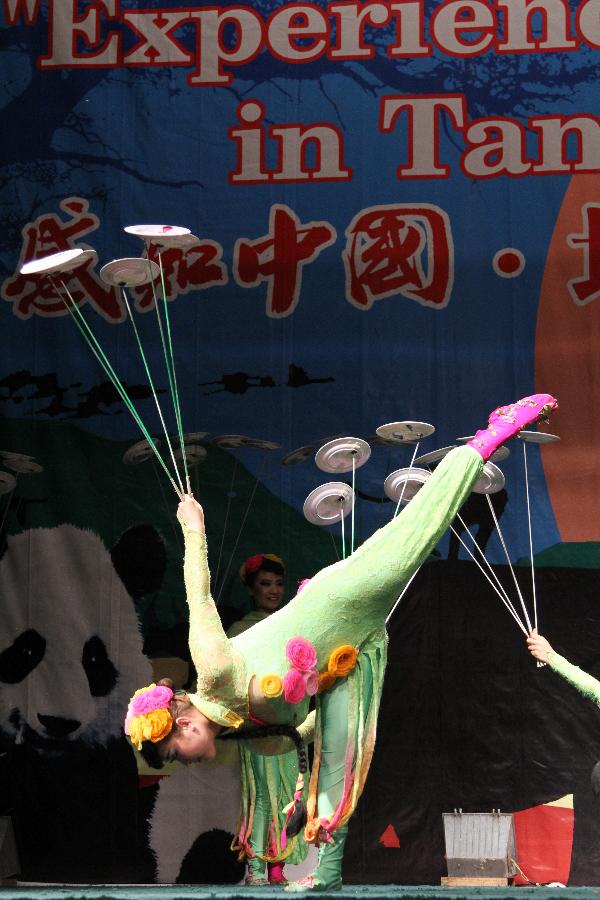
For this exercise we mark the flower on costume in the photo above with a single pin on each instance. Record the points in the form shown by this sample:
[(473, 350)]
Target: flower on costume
[(301, 654), (342, 660), (148, 717), (311, 830), (294, 689), (311, 682), (302, 584), (153, 726), (326, 681), (271, 685)]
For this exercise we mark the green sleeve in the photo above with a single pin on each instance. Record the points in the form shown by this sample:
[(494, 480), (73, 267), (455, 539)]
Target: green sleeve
[(221, 690), (586, 684)]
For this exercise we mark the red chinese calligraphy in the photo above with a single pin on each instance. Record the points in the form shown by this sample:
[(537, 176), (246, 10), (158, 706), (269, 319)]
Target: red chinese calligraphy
[(280, 256), (586, 288), (196, 268), (399, 249), (49, 234)]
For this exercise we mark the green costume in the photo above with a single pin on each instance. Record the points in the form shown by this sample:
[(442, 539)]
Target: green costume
[(270, 780), (585, 683), (345, 604)]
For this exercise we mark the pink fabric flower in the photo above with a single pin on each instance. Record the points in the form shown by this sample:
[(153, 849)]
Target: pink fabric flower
[(302, 584), (157, 697), (301, 654), (294, 689), (253, 563), (311, 682)]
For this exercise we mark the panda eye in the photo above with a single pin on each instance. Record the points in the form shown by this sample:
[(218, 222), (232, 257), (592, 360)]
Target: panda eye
[(101, 674), (21, 658)]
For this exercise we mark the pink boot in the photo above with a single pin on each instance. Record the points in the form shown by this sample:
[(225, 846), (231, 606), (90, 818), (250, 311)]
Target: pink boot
[(506, 421)]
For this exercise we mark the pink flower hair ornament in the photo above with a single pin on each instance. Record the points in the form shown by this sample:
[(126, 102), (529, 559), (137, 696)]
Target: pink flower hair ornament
[(148, 716)]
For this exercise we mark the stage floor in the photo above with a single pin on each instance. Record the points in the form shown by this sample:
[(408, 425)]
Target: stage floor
[(228, 892)]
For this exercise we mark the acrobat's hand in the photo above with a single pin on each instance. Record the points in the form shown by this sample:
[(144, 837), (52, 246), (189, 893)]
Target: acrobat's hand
[(538, 646), (190, 513)]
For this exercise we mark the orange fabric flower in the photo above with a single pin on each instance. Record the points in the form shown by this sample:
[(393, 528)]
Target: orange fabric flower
[(311, 830), (342, 660), (271, 685), (153, 726), (326, 680)]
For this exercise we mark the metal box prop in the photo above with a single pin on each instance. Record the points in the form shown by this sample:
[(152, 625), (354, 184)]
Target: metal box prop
[(480, 845)]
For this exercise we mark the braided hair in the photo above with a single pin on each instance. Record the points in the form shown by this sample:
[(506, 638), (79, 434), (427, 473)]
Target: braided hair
[(298, 817)]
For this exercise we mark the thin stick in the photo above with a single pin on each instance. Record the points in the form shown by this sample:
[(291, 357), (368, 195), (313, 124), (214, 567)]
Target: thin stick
[(343, 532), (225, 523), (508, 605), (152, 388), (170, 362), (401, 497), (353, 505), (512, 571), (535, 615), (88, 335), (404, 590)]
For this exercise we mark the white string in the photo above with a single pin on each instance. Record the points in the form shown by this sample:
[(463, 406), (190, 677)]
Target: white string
[(501, 536), (343, 533), (152, 388), (535, 616), (498, 586), (404, 590), (226, 522), (400, 498), (508, 604), (353, 505)]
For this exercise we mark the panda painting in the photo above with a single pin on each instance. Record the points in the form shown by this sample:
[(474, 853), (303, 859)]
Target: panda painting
[(70, 658)]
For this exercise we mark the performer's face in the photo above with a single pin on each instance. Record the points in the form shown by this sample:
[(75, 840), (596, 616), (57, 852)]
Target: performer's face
[(267, 591), (192, 740)]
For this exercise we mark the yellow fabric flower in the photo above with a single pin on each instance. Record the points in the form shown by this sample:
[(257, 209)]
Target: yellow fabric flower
[(326, 680), (342, 660), (271, 685), (153, 726)]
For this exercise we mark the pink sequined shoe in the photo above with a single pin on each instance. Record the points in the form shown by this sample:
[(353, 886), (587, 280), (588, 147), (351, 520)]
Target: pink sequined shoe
[(506, 421), (275, 872)]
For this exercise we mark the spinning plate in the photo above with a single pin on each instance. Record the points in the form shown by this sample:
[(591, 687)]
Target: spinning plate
[(163, 235), (329, 503), (499, 455), (129, 272), (139, 453), (65, 261), (405, 483), (7, 483), (491, 481), (234, 441), (193, 436), (194, 455), (340, 455), (435, 456), (300, 454), (538, 437), (21, 463), (405, 432)]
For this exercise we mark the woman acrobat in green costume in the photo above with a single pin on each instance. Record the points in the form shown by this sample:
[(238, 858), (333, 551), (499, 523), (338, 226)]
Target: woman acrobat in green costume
[(330, 641)]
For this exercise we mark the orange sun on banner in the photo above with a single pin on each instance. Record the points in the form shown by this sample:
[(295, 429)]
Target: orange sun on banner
[(567, 357)]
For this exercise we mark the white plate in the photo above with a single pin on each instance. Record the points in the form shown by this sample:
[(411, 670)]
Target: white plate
[(405, 432), (300, 454), (7, 483), (497, 456), (427, 458), (405, 483), (139, 452), (165, 235), (64, 261), (342, 454), (129, 272), (491, 481), (329, 503), (538, 437)]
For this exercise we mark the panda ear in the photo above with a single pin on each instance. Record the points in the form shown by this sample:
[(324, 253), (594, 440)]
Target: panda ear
[(140, 560)]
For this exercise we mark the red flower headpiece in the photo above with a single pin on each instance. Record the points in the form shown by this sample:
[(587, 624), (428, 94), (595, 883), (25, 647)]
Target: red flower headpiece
[(254, 563)]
